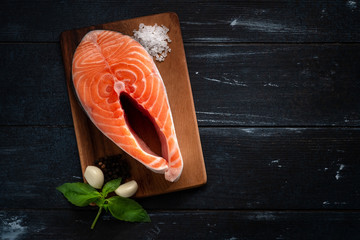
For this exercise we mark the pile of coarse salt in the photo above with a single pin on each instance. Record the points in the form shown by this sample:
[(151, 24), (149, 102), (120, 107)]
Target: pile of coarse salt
[(154, 39)]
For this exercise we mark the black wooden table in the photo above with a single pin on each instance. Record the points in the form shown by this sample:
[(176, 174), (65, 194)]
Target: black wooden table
[(276, 88)]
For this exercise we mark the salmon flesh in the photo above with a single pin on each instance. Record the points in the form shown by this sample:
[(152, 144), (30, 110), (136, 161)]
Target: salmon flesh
[(107, 65)]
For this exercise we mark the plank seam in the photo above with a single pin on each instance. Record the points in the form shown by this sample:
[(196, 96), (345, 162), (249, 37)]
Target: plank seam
[(194, 210)]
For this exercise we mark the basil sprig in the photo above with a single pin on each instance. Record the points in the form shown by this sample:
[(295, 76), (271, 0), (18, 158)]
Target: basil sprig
[(125, 209)]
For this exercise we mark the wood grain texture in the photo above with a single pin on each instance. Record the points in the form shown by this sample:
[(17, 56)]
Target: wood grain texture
[(32, 86), (50, 224), (276, 85), (276, 91), (93, 144), (247, 168), (254, 85), (201, 21)]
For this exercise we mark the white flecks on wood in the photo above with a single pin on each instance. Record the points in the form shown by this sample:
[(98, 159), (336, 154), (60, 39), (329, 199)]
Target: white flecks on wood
[(212, 39), (262, 217), (275, 163), (237, 115), (153, 233), (231, 238), (270, 85), (351, 4), (295, 130), (234, 82), (228, 54), (338, 172), (12, 228), (227, 81), (217, 113), (212, 79), (327, 203), (249, 130), (211, 225), (221, 121), (265, 26)]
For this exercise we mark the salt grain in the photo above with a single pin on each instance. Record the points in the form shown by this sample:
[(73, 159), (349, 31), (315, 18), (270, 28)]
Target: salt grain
[(154, 39)]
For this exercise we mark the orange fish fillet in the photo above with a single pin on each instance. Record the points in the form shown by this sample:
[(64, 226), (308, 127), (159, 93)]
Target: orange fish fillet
[(107, 64)]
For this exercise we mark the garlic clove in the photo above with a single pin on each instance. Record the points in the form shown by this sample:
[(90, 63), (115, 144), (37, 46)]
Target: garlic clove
[(94, 176), (127, 189)]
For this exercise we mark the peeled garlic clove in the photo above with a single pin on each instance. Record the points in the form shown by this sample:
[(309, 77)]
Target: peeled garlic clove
[(94, 176), (127, 189)]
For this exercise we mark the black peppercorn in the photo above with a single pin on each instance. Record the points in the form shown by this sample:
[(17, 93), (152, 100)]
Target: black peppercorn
[(114, 167)]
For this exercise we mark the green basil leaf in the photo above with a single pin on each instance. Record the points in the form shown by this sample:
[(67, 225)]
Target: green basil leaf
[(111, 186), (106, 206), (100, 202), (127, 210), (79, 194)]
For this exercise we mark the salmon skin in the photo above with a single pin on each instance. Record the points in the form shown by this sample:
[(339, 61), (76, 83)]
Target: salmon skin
[(107, 64)]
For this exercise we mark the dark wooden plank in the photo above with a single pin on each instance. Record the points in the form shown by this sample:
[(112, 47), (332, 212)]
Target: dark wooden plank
[(34, 161), (251, 84), (62, 224), (276, 168), (32, 86), (248, 168), (201, 21), (297, 85)]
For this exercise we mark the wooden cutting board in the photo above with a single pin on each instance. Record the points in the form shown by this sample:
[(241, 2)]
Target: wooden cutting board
[(92, 144)]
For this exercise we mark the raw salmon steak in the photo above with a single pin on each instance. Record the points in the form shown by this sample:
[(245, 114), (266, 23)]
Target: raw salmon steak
[(105, 66)]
